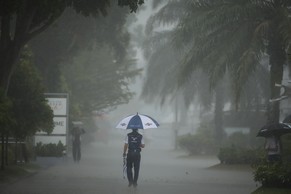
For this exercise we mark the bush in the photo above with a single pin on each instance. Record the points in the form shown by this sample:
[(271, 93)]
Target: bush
[(238, 139), (200, 143), (277, 174), (237, 155), (49, 150), (227, 155), (10, 154), (273, 175), (286, 148)]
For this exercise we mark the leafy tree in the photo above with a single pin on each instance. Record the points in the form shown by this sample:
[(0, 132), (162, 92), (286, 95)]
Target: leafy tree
[(74, 53), (23, 20), (6, 121), (30, 109), (253, 28), (161, 82), (232, 36), (74, 33), (96, 81), (25, 110), (161, 51)]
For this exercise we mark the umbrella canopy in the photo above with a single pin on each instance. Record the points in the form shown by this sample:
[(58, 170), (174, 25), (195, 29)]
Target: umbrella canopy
[(137, 121), (276, 129)]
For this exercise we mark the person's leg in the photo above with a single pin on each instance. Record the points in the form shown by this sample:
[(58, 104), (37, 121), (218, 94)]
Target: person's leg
[(79, 152), (129, 161), (74, 151), (136, 168)]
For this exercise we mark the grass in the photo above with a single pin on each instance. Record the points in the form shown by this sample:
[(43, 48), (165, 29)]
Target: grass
[(236, 167), (242, 167), (13, 172), (263, 190)]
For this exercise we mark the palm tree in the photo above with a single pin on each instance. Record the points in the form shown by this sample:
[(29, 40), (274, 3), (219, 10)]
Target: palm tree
[(226, 36), (163, 58), (162, 81), (165, 61)]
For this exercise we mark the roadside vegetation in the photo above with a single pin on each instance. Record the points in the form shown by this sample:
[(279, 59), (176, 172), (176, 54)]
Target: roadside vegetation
[(271, 191), (237, 149), (217, 55), (15, 172), (59, 48), (227, 67)]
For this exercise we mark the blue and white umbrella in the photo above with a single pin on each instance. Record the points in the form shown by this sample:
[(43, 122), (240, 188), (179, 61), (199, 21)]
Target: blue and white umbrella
[(137, 121)]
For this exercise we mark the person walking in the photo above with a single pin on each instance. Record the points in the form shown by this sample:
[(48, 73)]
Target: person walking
[(273, 148), (76, 141), (133, 144)]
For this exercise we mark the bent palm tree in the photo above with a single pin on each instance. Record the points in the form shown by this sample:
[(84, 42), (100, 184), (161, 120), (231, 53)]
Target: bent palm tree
[(206, 50), (232, 36)]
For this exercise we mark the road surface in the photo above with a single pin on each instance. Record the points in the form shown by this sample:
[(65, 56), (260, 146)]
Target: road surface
[(163, 171)]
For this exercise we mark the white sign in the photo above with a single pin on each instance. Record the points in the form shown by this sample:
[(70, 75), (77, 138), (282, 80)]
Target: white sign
[(231, 130), (58, 105), (60, 126)]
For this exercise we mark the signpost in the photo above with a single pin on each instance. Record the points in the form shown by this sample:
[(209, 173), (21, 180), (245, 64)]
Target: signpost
[(59, 104)]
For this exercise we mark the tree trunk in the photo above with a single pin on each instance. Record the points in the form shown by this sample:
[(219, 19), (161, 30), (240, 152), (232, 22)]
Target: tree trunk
[(8, 60), (24, 152), (176, 125), (218, 114), (11, 43), (277, 59), (15, 154), (6, 149), (2, 152)]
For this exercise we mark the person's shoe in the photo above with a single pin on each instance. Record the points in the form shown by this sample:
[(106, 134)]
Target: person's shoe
[(134, 185), (129, 184)]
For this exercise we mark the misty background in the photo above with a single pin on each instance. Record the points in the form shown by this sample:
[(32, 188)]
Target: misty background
[(208, 72)]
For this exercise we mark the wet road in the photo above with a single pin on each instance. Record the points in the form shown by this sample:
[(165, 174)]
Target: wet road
[(162, 172)]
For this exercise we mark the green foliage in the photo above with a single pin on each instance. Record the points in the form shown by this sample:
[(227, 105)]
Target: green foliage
[(238, 155), (6, 114), (234, 150), (12, 173), (268, 190), (273, 175), (72, 34), (49, 150), (35, 17), (133, 4), (227, 37), (30, 109), (238, 139), (97, 82), (200, 143), (10, 153), (92, 65), (286, 147), (277, 174)]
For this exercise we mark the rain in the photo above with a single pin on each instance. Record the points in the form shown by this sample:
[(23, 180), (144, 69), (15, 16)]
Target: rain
[(194, 92)]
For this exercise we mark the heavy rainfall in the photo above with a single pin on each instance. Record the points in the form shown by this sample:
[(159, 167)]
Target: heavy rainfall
[(145, 97)]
